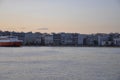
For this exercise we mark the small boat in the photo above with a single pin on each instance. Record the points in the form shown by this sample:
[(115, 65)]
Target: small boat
[(10, 41)]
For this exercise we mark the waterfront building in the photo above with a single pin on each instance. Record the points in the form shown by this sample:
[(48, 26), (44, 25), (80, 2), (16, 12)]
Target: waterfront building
[(66, 39), (103, 40), (117, 41), (81, 38), (48, 39), (75, 39), (91, 40), (32, 39), (56, 39), (5, 33)]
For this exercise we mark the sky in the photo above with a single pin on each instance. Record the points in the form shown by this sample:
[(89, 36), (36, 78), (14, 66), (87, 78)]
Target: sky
[(74, 16)]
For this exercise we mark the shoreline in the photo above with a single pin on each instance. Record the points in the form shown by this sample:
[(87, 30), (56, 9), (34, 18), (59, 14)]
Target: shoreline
[(78, 46)]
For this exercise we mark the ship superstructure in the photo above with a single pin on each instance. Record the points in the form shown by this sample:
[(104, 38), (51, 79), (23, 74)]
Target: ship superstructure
[(9, 41)]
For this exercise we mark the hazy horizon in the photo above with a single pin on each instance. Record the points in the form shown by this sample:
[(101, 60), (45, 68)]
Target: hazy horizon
[(74, 16)]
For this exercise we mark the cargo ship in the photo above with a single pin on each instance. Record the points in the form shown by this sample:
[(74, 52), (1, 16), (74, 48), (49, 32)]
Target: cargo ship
[(10, 41)]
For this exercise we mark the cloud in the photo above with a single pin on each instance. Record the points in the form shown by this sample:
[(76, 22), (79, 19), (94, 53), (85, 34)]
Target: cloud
[(42, 28)]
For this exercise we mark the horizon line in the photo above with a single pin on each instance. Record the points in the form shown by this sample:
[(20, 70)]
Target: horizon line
[(59, 32)]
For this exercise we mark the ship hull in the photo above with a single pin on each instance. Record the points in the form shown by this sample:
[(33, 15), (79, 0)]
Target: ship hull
[(10, 44)]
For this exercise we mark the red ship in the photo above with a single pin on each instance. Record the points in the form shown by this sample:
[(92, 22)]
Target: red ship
[(10, 41)]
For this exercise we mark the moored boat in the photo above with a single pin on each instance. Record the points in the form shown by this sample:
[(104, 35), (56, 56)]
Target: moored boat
[(10, 41)]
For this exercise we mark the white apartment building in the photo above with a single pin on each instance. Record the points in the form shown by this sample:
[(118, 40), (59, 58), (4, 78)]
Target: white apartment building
[(81, 39), (31, 38), (48, 39)]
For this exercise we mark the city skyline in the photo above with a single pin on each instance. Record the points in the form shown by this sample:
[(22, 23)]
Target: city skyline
[(80, 16)]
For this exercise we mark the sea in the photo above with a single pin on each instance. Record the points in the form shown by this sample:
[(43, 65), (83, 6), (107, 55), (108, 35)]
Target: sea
[(59, 63)]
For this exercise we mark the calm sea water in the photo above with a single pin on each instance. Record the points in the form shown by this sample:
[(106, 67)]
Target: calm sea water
[(59, 63)]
